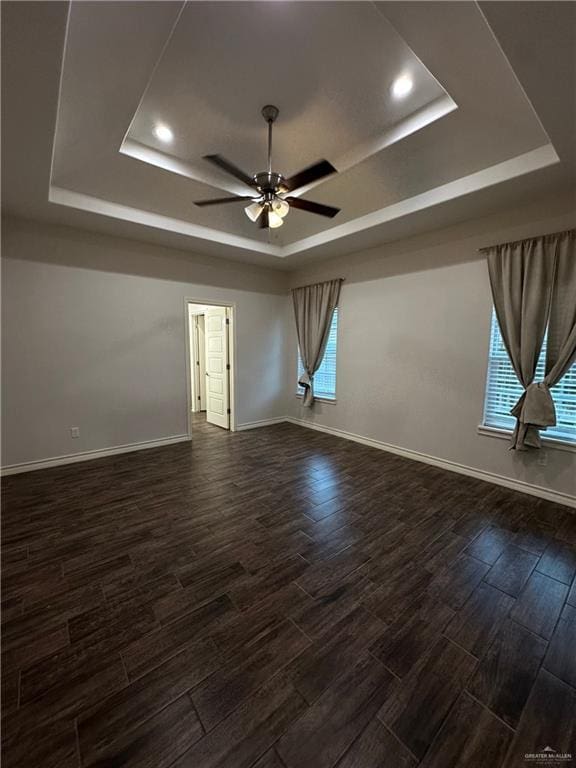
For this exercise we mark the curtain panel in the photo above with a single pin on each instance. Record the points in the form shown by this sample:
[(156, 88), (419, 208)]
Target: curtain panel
[(314, 306), (534, 288)]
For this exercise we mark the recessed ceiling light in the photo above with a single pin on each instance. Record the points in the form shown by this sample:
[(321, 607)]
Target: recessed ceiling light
[(402, 86), (163, 133)]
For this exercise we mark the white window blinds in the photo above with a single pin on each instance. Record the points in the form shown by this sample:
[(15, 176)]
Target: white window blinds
[(325, 376), (503, 390)]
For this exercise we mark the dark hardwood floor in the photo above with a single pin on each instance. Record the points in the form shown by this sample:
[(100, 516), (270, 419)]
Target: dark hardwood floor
[(281, 598)]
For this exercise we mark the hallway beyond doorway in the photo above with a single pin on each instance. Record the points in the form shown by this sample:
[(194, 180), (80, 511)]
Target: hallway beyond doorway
[(201, 427), (210, 364)]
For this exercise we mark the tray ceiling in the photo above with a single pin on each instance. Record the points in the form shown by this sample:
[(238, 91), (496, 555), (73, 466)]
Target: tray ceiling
[(205, 69)]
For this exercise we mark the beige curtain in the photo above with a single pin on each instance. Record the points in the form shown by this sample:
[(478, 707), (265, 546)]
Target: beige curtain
[(533, 284), (314, 306), (561, 347)]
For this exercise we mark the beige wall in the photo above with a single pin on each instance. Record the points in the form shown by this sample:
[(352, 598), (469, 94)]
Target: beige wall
[(413, 344), (94, 336)]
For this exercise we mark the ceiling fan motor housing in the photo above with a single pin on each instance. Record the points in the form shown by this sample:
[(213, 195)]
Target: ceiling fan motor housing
[(268, 182)]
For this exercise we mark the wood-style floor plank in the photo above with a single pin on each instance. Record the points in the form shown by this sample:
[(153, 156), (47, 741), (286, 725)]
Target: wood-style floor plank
[(318, 615), (540, 604), (277, 598), (476, 625), (215, 585), (561, 656), (246, 671), (413, 633), (237, 629), (322, 735), (53, 746), (471, 737), (454, 583), (330, 574), (442, 549), (261, 585), (126, 710), (489, 545), (25, 654), (248, 732), (512, 570), (269, 760), (377, 747), (533, 536), (548, 721), (507, 672), (320, 665), (558, 562), (571, 599), (158, 646), (10, 691), (158, 742), (66, 686), (420, 701), (397, 589)]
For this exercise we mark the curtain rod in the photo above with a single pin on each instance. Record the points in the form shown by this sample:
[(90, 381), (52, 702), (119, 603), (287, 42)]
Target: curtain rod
[(309, 285), (528, 239)]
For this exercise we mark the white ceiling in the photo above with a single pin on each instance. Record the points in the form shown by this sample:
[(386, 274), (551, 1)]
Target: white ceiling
[(335, 95), (491, 117)]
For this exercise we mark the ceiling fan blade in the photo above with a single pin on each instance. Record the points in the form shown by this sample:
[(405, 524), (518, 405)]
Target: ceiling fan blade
[(308, 175), (226, 165), (263, 219), (308, 205), (220, 200)]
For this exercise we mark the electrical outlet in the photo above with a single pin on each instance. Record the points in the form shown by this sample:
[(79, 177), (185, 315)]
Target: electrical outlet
[(74, 431), (543, 457)]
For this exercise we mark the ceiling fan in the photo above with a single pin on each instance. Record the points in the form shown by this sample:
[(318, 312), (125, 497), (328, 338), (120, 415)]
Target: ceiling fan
[(269, 203)]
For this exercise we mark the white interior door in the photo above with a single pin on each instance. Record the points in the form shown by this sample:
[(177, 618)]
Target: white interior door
[(217, 371)]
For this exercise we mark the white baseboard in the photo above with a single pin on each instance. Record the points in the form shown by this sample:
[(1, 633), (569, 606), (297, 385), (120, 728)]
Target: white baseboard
[(451, 466), (263, 423), (100, 453)]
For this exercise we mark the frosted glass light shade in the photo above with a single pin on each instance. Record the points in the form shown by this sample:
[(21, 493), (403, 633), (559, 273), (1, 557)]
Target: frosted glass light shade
[(280, 207), (253, 211), (274, 220)]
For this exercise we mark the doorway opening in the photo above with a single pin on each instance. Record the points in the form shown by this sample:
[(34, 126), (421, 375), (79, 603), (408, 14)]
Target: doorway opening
[(210, 366)]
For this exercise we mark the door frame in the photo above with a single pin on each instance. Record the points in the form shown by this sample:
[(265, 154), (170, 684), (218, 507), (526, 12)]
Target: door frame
[(231, 306), (195, 374)]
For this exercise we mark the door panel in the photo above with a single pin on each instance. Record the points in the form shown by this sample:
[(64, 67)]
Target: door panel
[(217, 378)]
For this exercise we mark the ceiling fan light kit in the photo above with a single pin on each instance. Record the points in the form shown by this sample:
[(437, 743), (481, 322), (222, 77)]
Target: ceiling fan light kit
[(253, 211), (280, 207), (269, 204), (274, 220)]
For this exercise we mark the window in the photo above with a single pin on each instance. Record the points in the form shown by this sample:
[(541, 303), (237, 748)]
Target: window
[(325, 376), (503, 390)]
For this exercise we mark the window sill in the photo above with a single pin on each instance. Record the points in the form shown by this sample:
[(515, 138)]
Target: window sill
[(548, 442), (330, 400)]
